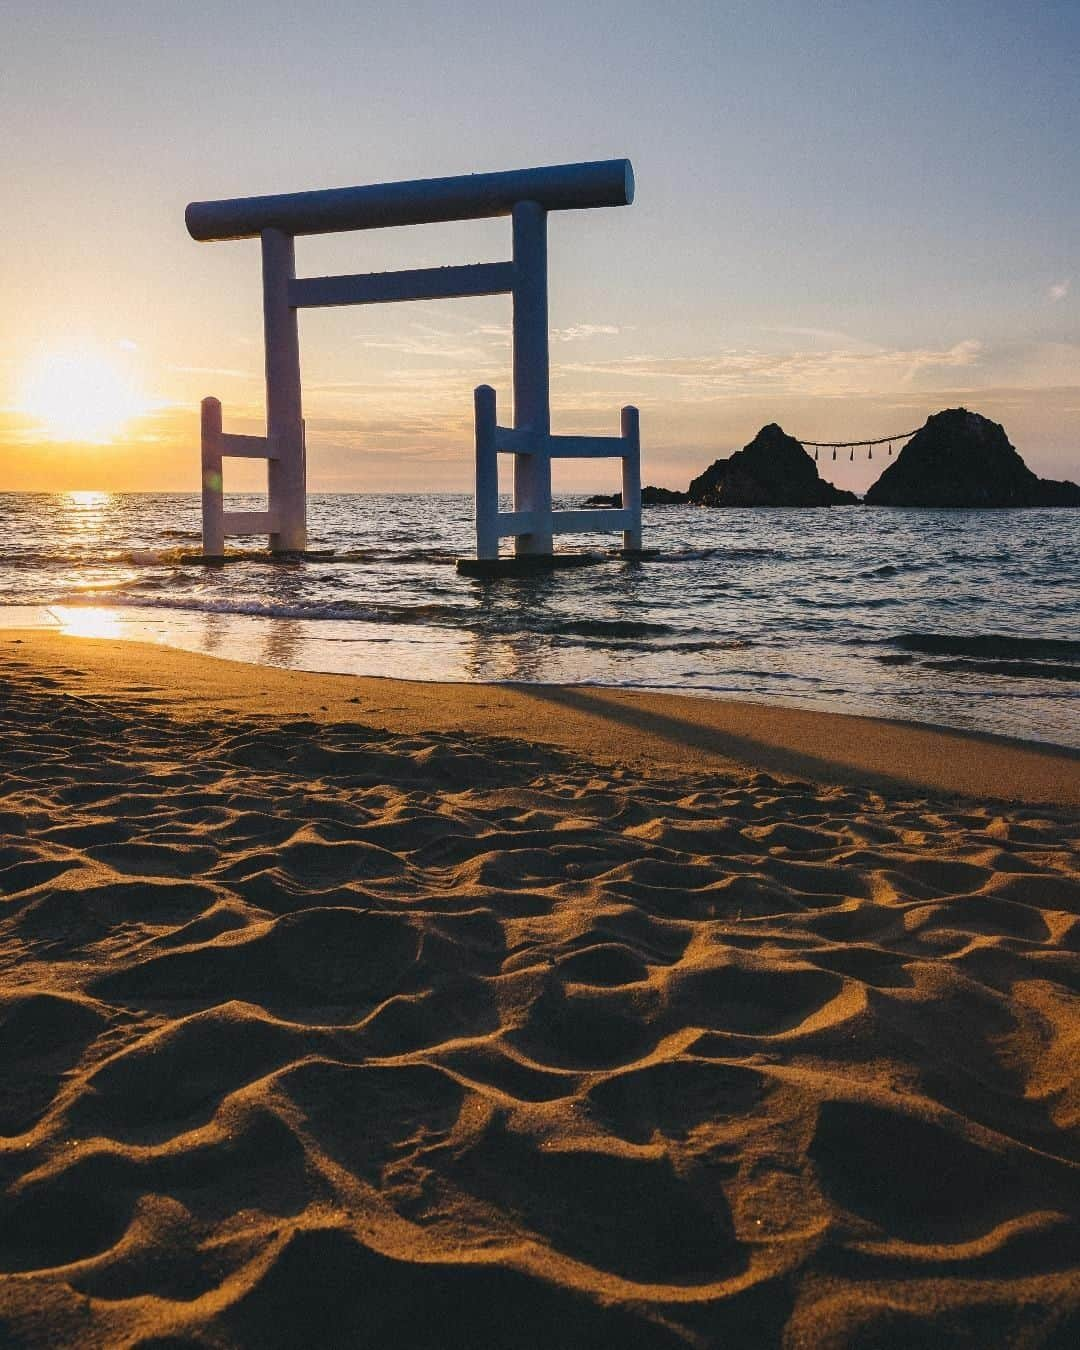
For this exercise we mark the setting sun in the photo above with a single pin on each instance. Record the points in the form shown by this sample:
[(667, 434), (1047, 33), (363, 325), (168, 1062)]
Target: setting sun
[(80, 393)]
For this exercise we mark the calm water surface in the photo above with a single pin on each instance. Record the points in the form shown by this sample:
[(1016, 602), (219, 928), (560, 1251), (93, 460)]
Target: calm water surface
[(961, 618)]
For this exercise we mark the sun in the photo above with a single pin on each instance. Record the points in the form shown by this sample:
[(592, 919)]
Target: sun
[(80, 392)]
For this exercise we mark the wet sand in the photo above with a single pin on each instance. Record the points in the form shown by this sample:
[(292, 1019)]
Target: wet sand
[(355, 1012)]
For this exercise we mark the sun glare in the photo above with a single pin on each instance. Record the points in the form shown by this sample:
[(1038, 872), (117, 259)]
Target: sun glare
[(81, 394)]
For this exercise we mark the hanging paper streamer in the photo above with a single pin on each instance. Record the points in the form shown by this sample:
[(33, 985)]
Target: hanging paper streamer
[(852, 446)]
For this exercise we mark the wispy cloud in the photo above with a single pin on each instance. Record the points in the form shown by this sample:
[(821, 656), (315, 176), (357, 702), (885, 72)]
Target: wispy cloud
[(579, 331), (224, 371), (820, 373), (435, 433), (412, 384), (832, 335), (1060, 289), (428, 340), (423, 344), (499, 332)]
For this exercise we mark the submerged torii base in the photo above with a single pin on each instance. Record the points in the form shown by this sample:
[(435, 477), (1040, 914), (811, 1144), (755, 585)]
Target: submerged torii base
[(527, 195)]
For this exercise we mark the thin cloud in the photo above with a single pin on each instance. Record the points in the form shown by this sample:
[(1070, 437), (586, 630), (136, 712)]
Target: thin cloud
[(427, 340), (821, 334), (1060, 289), (224, 371), (579, 331), (823, 374), (499, 331), (423, 345)]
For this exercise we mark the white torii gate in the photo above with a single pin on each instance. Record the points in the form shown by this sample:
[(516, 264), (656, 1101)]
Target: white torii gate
[(526, 195)]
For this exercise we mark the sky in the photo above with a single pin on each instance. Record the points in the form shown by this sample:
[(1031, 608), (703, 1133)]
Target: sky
[(848, 216)]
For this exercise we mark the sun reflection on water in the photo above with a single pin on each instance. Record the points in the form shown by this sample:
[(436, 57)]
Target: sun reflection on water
[(85, 512), (78, 621), (88, 499)]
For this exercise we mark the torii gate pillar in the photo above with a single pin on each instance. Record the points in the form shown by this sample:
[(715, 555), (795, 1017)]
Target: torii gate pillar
[(532, 374), (287, 468)]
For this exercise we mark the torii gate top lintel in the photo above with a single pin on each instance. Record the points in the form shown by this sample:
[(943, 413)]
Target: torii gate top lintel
[(527, 196), (423, 201)]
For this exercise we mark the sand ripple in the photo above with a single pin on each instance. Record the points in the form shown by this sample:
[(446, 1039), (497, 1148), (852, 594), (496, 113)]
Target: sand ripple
[(321, 1036)]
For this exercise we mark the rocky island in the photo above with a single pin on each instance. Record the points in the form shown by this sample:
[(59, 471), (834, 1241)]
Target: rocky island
[(961, 459), (773, 470)]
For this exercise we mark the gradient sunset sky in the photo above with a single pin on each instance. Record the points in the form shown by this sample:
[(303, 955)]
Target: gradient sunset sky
[(848, 216)]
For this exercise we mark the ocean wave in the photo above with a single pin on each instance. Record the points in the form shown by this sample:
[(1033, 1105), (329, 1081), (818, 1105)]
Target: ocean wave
[(134, 595), (598, 628), (30, 558), (27, 559), (179, 556), (845, 602), (266, 609), (890, 570), (395, 557), (651, 646), (1024, 670), (152, 581), (709, 645), (987, 646), (727, 553)]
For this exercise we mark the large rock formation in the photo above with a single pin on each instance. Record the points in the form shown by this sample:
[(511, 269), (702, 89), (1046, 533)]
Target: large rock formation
[(960, 459), (773, 470)]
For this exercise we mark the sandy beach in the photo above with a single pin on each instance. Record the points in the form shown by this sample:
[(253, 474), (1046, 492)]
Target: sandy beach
[(346, 1012)]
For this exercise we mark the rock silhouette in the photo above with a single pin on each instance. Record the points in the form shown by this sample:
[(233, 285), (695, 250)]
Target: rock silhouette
[(650, 496), (773, 470), (961, 459), (659, 496)]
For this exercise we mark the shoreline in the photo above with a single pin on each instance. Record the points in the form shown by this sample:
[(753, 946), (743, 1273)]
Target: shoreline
[(907, 623), (603, 723)]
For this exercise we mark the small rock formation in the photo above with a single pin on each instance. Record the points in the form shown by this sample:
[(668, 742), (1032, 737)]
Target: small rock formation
[(961, 459), (773, 470), (658, 496), (650, 496)]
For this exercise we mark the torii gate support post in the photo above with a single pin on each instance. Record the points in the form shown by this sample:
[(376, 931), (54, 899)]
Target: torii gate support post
[(213, 509), (486, 496), (630, 426), (532, 396), (287, 469)]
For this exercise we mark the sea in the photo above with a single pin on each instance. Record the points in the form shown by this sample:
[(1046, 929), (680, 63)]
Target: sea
[(964, 619)]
